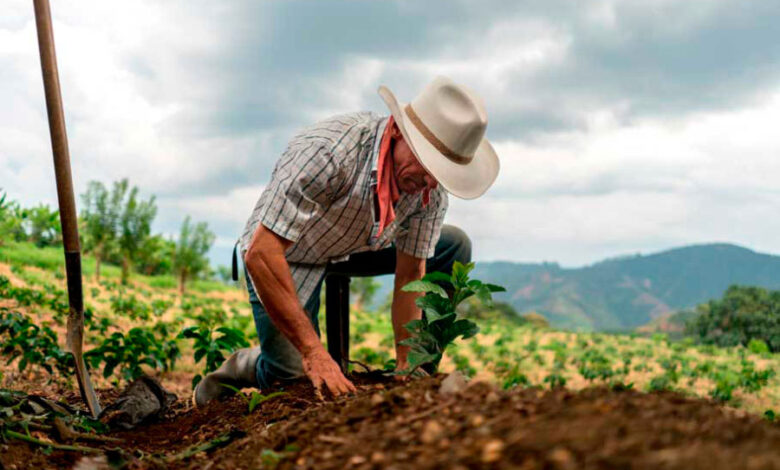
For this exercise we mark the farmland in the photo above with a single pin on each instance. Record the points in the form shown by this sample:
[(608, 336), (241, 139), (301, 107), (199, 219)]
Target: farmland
[(148, 326)]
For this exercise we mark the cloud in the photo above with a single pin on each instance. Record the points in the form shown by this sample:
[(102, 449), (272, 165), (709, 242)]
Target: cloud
[(611, 188), (621, 124)]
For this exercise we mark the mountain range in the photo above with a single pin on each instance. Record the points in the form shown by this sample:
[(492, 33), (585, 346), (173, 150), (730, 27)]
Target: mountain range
[(622, 293)]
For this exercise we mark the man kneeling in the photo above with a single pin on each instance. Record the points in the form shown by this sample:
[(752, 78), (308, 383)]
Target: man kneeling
[(356, 195)]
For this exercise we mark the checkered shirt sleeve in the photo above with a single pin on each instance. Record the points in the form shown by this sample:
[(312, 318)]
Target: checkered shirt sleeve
[(301, 188), (424, 227)]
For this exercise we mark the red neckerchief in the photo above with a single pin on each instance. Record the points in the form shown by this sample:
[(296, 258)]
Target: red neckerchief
[(386, 186)]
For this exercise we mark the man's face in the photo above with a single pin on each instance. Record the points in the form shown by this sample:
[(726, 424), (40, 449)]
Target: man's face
[(410, 175)]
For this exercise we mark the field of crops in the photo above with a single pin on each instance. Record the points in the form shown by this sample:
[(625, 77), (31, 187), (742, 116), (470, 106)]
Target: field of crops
[(146, 326)]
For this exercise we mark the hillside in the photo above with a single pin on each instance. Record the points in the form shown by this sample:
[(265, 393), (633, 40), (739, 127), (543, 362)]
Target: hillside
[(623, 293), (626, 292)]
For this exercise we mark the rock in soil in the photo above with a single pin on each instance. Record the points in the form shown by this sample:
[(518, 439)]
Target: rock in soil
[(144, 399)]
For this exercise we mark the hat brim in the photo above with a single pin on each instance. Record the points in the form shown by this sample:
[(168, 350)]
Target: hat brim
[(466, 181)]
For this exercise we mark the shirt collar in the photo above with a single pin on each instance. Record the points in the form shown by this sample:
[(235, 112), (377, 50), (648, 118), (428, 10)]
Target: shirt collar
[(380, 130)]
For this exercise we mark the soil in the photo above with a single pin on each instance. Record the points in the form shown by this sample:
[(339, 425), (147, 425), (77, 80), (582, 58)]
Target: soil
[(411, 425)]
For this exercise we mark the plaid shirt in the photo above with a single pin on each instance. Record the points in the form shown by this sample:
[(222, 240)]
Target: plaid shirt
[(322, 197)]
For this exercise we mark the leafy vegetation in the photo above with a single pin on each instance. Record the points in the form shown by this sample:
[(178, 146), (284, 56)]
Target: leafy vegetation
[(33, 345), (140, 328), (189, 259), (744, 314), (212, 347), (440, 325)]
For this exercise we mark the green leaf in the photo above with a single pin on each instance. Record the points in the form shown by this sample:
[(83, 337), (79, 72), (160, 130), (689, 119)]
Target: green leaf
[(196, 380), (258, 398), (483, 294), (418, 358), (414, 326), (190, 332), (445, 319), (438, 276), (460, 273), (425, 286), (435, 301), (467, 328), (495, 288)]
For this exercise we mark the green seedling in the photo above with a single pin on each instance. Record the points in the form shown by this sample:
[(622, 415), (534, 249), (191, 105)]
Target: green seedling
[(148, 346), (255, 398), (440, 325), (33, 345), (212, 348)]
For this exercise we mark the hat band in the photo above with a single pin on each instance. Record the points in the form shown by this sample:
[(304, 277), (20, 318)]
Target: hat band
[(430, 137)]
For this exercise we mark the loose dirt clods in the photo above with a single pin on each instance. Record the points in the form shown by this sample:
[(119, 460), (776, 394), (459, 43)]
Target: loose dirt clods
[(395, 425)]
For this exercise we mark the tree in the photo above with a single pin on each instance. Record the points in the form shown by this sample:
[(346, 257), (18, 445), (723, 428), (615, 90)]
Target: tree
[(155, 256), (190, 256), (743, 314), (100, 218), (135, 225), (44, 226), (12, 218), (364, 288)]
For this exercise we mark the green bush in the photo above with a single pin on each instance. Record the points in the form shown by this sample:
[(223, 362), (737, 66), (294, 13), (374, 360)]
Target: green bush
[(742, 315)]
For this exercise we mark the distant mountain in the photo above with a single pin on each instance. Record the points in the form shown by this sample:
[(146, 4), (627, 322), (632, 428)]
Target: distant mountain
[(629, 291)]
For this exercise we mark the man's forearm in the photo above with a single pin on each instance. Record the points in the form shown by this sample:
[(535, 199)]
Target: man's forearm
[(404, 310), (273, 281)]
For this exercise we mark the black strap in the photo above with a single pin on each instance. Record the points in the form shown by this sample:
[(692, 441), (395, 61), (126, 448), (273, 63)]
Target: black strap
[(235, 261)]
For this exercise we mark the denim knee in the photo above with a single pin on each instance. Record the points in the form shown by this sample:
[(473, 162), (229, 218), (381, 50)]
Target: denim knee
[(459, 242)]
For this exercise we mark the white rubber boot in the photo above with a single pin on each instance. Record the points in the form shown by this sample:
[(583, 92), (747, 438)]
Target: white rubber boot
[(238, 370)]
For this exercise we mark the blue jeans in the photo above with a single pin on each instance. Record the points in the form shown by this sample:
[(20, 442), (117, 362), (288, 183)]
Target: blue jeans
[(279, 361)]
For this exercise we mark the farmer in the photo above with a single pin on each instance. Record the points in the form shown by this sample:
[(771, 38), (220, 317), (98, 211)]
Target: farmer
[(359, 195)]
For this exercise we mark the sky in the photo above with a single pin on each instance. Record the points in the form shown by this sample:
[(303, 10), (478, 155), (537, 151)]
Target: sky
[(622, 126)]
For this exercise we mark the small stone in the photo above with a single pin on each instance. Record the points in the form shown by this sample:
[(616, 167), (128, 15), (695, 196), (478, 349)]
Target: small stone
[(357, 460), (492, 397), (377, 457), (476, 421), (431, 431), (452, 384), (444, 443), (562, 459), (377, 399), (491, 452)]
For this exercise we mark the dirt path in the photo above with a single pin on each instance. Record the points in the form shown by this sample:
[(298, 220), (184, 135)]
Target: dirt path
[(412, 426)]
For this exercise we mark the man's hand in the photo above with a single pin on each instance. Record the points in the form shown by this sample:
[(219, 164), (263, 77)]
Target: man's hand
[(322, 369)]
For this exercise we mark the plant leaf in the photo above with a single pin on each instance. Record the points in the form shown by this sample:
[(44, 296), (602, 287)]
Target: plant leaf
[(495, 288), (438, 276), (467, 328), (425, 286)]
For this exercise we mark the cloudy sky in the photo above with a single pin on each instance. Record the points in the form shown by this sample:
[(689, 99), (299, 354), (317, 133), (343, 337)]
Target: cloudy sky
[(622, 126)]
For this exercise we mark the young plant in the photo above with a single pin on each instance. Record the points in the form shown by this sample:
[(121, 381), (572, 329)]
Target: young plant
[(255, 398), (213, 348), (440, 325), (34, 345), (140, 346)]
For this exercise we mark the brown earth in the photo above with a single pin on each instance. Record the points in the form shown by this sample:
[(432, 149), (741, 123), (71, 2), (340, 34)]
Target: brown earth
[(392, 425)]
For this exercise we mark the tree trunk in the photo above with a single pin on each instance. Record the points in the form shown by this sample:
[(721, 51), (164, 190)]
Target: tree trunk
[(182, 281), (97, 266), (125, 270)]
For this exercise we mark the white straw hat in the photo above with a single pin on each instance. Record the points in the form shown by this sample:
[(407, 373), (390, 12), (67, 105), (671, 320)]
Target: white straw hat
[(445, 128)]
